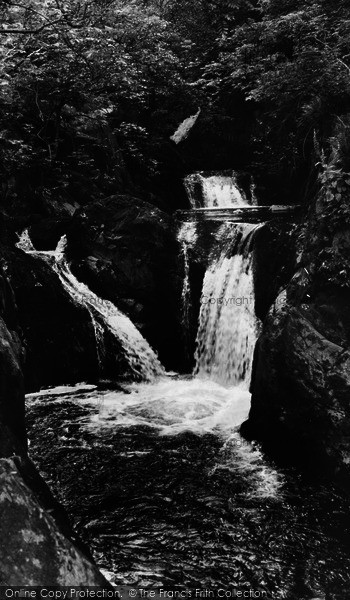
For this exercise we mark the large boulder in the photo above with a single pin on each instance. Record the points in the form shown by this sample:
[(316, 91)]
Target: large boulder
[(126, 251), (301, 383), (36, 552), (301, 376)]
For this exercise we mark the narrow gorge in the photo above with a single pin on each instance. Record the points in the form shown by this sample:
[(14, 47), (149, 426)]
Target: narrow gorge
[(165, 476), (174, 299)]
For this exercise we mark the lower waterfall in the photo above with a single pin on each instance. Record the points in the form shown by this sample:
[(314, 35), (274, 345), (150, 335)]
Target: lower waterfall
[(104, 315), (228, 328)]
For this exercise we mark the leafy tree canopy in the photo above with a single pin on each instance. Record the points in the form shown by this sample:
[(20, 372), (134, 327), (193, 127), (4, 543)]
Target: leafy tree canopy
[(90, 89)]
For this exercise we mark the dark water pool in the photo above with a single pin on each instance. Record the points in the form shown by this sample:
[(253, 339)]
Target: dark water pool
[(167, 494)]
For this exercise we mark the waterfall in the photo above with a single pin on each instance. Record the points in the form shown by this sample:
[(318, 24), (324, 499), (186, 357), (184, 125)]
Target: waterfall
[(214, 190), (187, 236), (227, 329), (104, 315)]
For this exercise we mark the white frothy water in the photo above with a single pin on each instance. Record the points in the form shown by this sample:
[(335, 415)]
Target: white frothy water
[(214, 191), (227, 329), (187, 237), (104, 315), (172, 406), (226, 337), (239, 456)]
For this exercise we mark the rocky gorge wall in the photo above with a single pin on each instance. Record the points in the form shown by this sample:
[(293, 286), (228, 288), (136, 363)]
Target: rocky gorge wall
[(301, 378), (125, 250), (38, 547), (47, 317), (11, 380)]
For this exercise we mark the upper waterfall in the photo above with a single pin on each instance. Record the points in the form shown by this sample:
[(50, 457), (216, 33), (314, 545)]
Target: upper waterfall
[(214, 190), (142, 360)]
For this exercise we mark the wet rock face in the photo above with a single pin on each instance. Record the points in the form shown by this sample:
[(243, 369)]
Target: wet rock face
[(36, 552), (301, 378), (302, 383), (11, 356), (36, 541), (58, 336), (46, 233), (125, 250), (274, 263)]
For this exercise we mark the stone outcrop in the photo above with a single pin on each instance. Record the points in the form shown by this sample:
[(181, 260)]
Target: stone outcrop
[(274, 262), (301, 378), (11, 355), (125, 250), (36, 552), (48, 317), (37, 545)]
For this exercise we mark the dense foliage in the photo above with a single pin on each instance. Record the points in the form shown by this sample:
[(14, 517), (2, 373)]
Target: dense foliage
[(91, 90), (292, 62), (85, 92)]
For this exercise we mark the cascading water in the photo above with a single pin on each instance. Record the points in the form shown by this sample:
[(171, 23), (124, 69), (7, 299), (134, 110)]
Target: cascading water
[(214, 191), (227, 328), (104, 315), (187, 237)]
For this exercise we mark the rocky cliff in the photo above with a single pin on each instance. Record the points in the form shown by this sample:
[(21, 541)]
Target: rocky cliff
[(11, 355), (38, 548), (125, 249), (301, 379), (47, 317)]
